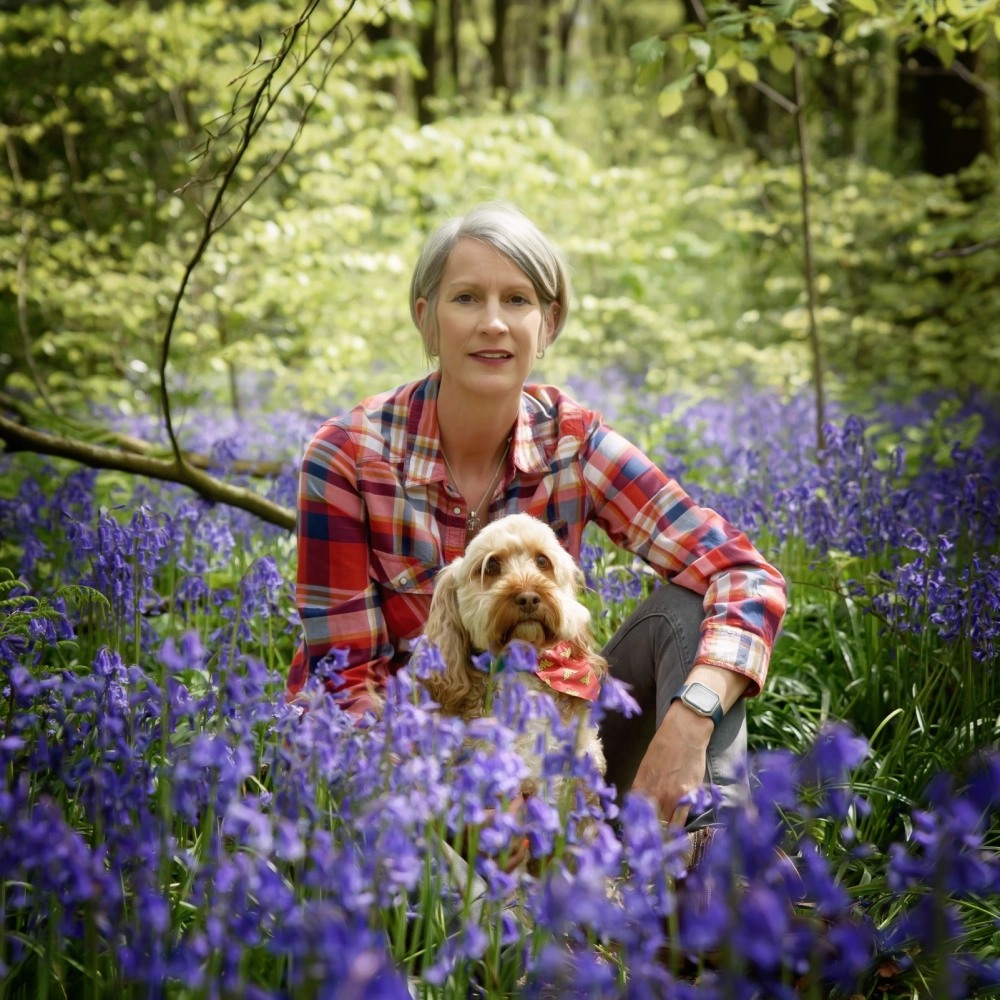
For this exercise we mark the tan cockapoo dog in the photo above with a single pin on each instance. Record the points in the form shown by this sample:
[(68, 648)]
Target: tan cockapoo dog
[(516, 581)]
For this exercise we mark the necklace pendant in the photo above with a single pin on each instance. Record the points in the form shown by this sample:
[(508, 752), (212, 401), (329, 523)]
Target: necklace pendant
[(473, 522)]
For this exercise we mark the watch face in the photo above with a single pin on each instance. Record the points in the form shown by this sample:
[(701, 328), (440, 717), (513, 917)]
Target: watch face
[(702, 699)]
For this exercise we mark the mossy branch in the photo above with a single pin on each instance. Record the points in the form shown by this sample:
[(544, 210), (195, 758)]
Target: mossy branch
[(18, 438)]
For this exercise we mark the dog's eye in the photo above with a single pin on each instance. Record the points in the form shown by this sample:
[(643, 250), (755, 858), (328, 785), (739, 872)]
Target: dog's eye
[(542, 562), (492, 566)]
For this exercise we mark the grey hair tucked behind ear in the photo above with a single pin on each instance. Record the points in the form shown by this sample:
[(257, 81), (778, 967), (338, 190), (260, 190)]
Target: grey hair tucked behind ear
[(502, 226)]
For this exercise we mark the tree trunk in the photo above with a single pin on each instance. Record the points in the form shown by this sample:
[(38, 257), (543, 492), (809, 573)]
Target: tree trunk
[(543, 43), (498, 51), (566, 20), (425, 88), (454, 41), (377, 33)]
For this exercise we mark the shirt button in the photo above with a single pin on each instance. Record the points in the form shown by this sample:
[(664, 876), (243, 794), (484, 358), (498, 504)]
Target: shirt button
[(402, 581), (456, 510)]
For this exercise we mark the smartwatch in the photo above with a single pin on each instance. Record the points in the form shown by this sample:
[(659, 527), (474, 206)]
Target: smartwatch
[(701, 700)]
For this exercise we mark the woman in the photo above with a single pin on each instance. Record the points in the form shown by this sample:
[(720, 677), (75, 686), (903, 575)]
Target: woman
[(393, 491)]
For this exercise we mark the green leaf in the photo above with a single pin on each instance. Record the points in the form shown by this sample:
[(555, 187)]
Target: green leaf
[(747, 70), (866, 6), (716, 82), (649, 50), (782, 58), (955, 7), (979, 35), (946, 52), (701, 49), (647, 74), (728, 59), (681, 83), (669, 102)]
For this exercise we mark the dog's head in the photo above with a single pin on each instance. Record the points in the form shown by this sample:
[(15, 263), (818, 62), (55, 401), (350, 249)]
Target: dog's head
[(515, 581)]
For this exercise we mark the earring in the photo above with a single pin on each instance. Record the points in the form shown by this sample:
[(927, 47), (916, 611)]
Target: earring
[(540, 354)]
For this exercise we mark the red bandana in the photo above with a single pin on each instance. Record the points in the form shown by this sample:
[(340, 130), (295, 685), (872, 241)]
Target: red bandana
[(569, 674)]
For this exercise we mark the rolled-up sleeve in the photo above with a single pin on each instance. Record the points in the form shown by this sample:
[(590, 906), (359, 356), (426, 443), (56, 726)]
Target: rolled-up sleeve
[(336, 598), (646, 512)]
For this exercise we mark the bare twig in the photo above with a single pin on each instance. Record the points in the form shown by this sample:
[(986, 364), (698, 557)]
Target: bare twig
[(808, 247), (252, 125), (967, 251), (267, 174), (964, 73), (777, 97), (18, 438)]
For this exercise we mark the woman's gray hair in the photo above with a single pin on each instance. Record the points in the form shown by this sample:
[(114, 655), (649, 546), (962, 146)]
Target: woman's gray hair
[(508, 230)]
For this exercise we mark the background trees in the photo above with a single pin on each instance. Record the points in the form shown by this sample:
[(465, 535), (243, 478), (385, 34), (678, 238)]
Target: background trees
[(684, 232)]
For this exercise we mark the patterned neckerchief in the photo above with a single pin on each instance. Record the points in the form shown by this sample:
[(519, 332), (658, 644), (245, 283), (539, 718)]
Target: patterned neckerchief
[(563, 670)]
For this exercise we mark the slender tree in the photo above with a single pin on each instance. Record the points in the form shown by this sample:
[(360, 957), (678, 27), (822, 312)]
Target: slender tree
[(543, 42), (454, 43), (497, 46), (426, 87), (567, 18)]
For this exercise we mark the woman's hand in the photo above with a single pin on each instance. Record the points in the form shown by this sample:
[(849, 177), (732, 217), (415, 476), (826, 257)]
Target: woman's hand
[(674, 763)]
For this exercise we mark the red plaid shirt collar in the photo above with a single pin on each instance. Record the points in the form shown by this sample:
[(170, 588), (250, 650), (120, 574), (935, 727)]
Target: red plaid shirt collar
[(424, 457)]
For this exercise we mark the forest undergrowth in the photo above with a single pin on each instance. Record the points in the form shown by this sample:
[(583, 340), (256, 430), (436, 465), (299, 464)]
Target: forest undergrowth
[(169, 826)]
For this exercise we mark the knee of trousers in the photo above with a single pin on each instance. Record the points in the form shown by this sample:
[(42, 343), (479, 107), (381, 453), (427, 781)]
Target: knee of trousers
[(669, 607)]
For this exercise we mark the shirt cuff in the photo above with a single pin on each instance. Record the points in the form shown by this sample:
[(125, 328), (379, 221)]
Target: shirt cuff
[(736, 650)]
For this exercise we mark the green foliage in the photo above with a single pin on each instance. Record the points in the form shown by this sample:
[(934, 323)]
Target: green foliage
[(730, 36), (684, 252)]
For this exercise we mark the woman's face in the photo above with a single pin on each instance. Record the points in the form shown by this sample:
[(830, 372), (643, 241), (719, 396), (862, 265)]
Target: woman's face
[(490, 321)]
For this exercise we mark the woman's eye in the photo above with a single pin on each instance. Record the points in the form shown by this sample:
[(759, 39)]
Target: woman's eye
[(465, 297), (492, 566), (542, 562), (519, 300)]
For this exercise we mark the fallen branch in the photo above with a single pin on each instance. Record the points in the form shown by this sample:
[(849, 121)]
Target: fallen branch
[(18, 438), (265, 469), (967, 251)]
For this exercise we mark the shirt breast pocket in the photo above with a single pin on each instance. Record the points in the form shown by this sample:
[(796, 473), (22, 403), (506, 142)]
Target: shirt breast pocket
[(403, 574)]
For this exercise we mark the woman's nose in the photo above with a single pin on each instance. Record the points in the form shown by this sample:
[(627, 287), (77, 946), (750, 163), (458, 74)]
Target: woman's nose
[(492, 320)]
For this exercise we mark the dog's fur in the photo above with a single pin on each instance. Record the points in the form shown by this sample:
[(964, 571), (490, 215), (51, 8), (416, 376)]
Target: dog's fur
[(474, 609)]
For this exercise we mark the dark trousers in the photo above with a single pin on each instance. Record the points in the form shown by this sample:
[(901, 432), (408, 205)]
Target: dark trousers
[(654, 651)]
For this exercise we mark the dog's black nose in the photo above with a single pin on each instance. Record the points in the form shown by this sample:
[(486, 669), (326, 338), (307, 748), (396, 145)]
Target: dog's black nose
[(527, 600)]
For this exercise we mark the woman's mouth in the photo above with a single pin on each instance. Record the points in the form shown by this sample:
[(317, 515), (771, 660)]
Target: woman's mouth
[(492, 357)]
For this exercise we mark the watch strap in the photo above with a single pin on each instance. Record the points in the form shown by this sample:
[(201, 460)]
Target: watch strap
[(715, 716)]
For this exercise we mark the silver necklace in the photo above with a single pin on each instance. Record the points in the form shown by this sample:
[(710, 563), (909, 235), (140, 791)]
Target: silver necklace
[(474, 524)]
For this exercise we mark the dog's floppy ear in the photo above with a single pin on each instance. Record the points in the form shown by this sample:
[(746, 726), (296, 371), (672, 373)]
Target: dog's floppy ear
[(451, 690)]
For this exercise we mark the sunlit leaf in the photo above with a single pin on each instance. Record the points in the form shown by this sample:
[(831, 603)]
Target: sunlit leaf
[(747, 70), (669, 102), (946, 52), (782, 58), (649, 50), (717, 83)]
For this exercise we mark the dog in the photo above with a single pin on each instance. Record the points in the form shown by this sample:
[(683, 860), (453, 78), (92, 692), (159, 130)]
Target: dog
[(516, 582)]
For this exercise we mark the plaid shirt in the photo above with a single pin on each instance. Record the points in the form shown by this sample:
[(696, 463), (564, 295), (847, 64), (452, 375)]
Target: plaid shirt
[(377, 519)]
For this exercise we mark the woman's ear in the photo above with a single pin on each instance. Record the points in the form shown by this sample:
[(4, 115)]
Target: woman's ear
[(552, 315), (444, 628)]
